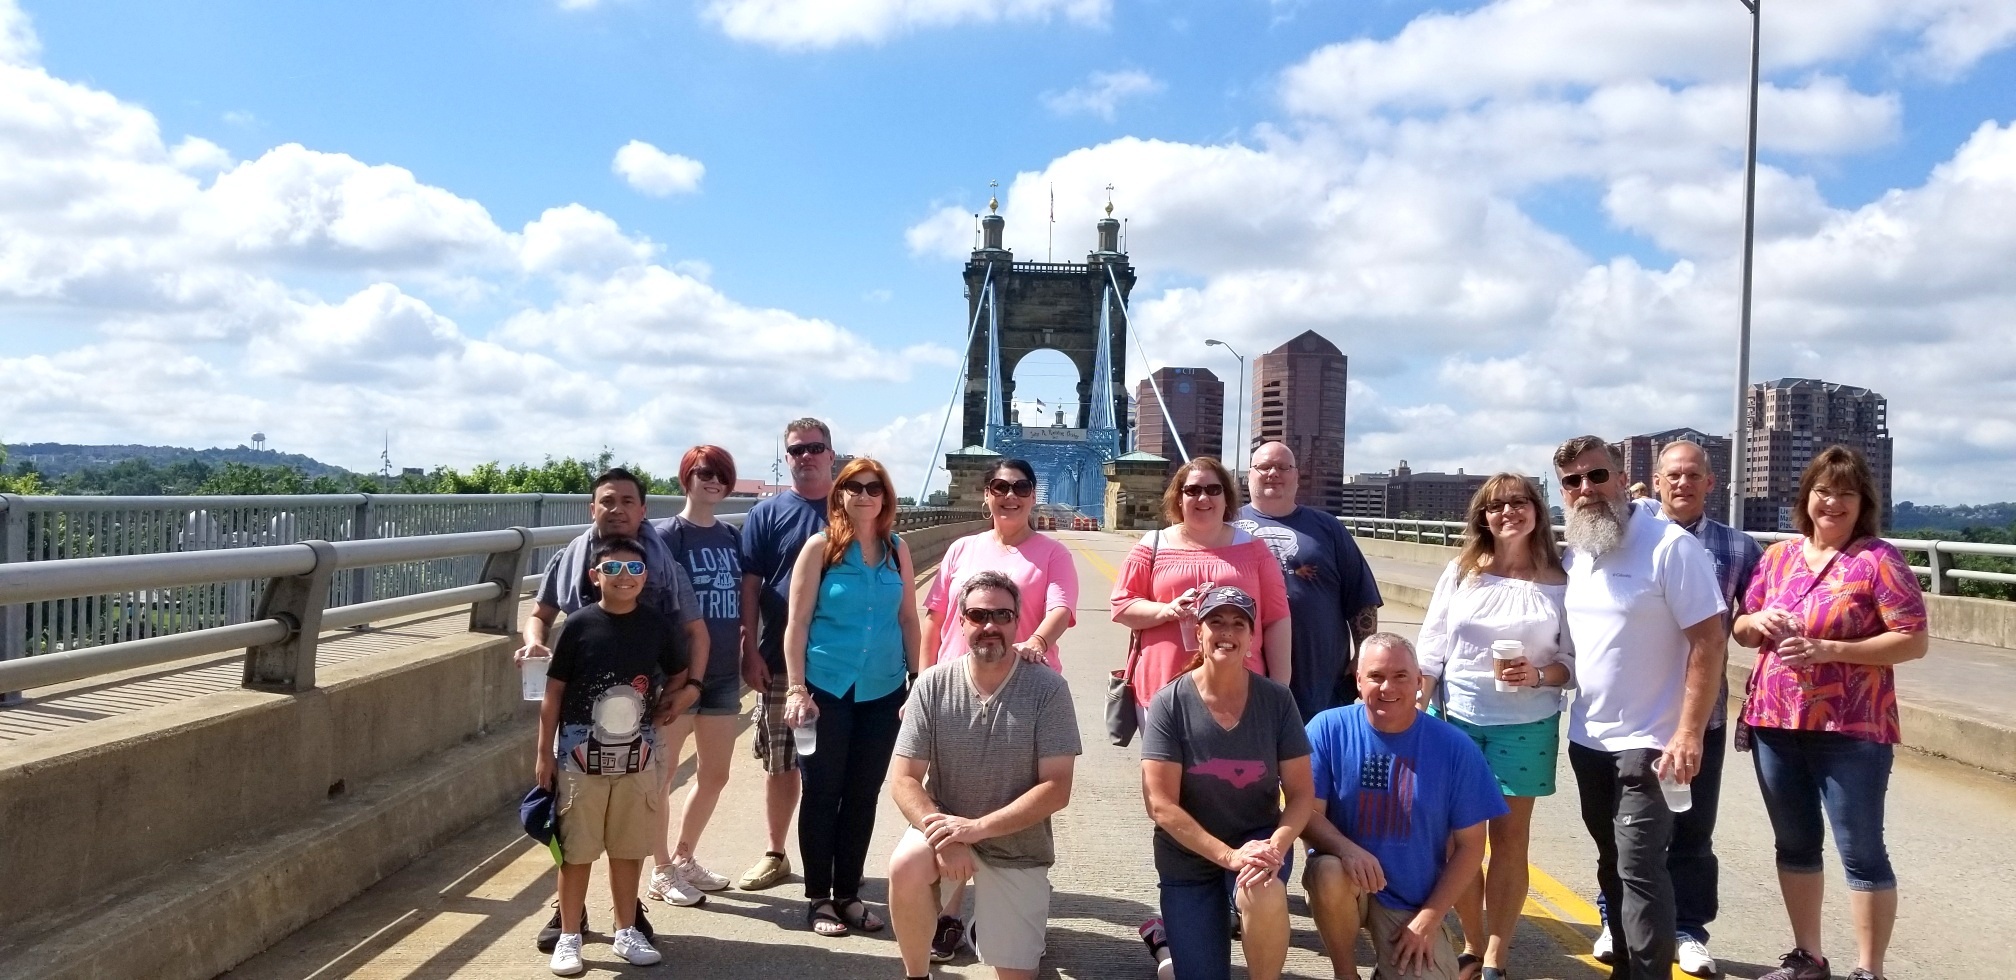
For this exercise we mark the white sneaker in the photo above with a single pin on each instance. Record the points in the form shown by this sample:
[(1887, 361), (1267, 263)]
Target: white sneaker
[(667, 885), (699, 877), (634, 948), (1603, 951), (1694, 958), (567, 954)]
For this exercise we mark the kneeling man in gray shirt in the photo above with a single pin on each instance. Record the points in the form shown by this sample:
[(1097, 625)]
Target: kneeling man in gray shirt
[(983, 759)]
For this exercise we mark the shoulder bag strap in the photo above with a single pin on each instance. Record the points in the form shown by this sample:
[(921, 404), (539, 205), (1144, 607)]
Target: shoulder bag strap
[(1134, 636)]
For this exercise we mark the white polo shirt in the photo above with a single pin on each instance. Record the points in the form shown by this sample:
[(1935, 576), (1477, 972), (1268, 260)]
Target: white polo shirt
[(1626, 614)]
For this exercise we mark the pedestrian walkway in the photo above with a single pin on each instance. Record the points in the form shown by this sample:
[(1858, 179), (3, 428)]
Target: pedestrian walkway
[(472, 907)]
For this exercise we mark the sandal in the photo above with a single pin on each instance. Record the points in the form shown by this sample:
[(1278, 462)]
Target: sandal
[(1468, 966), (824, 918), (856, 914)]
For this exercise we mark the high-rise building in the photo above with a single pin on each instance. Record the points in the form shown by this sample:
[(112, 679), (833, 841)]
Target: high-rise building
[(1791, 419), (1404, 493), (1197, 405), (1298, 399), (1641, 459)]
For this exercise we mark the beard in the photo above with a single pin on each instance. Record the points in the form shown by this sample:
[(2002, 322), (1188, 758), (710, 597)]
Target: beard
[(989, 650), (1597, 528)]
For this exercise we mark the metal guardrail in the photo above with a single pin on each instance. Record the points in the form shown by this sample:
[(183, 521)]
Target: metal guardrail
[(298, 587), (1938, 569)]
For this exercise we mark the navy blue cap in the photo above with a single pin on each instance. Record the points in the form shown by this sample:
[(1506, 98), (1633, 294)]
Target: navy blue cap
[(539, 812), (1226, 595)]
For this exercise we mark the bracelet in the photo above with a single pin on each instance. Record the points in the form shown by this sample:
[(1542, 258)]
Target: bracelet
[(797, 689), (1042, 639)]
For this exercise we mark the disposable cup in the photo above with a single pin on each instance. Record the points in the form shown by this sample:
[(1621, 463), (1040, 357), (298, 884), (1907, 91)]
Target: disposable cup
[(806, 738), (1503, 653), (532, 677), (1679, 795)]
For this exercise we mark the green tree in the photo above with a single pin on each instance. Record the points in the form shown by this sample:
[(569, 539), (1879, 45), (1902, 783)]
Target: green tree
[(24, 479)]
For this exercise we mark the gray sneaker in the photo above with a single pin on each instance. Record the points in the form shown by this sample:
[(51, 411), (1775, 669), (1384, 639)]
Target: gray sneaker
[(1799, 965)]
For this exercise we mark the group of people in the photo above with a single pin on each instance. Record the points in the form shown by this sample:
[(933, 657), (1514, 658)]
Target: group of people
[(1257, 636)]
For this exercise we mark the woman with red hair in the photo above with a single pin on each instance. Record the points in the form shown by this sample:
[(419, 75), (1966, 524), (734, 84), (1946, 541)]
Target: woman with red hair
[(850, 644)]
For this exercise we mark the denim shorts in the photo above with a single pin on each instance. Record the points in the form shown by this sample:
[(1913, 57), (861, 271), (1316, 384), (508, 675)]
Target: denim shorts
[(720, 694), (1802, 774)]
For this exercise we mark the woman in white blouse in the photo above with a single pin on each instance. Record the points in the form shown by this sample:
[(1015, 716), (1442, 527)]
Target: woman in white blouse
[(1504, 589)]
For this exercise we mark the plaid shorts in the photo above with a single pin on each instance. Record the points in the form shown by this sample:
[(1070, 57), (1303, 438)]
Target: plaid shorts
[(774, 744)]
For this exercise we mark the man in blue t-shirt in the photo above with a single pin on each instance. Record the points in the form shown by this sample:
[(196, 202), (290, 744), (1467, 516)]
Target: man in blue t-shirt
[(1398, 830), (1331, 594), (772, 535)]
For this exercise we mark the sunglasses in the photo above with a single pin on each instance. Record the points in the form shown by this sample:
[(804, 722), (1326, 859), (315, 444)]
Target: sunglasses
[(1020, 488), (1203, 490), (1501, 506), (981, 617), (806, 449), (616, 567), (1596, 477), (873, 488), (708, 476)]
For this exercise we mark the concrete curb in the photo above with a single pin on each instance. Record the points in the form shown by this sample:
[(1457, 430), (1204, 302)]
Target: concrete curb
[(199, 918)]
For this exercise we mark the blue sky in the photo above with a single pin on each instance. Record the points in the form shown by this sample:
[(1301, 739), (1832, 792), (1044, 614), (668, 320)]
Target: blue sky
[(1513, 216)]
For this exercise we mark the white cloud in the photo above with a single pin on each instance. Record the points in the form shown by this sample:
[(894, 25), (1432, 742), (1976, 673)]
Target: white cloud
[(1102, 93), (815, 24), (575, 239), (653, 171)]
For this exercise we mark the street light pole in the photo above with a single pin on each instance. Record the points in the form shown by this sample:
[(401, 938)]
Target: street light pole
[(1239, 420), (1739, 439)]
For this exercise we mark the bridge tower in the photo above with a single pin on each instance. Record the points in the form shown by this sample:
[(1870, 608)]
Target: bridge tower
[(1077, 309)]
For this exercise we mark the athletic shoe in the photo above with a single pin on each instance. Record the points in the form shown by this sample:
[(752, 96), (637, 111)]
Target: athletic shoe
[(1603, 951), (551, 933), (699, 877), (1861, 974), (1799, 965), (767, 873), (1692, 956), (567, 954), (668, 886), (946, 941), (634, 948)]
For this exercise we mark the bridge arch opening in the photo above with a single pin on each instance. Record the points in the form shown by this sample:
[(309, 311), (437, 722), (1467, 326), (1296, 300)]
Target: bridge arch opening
[(1045, 382)]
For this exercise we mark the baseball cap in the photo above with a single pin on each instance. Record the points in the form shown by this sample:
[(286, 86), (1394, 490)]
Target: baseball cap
[(539, 812), (1226, 595)]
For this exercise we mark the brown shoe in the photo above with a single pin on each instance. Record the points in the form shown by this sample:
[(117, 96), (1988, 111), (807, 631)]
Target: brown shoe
[(769, 872)]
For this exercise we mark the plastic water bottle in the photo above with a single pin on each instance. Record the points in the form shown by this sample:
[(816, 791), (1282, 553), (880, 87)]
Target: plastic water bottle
[(806, 737), (1679, 795), (532, 677)]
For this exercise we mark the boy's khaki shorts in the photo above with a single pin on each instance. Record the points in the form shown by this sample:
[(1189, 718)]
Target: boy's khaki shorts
[(615, 815)]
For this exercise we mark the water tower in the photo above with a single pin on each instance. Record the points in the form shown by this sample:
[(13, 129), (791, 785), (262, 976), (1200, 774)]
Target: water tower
[(259, 441)]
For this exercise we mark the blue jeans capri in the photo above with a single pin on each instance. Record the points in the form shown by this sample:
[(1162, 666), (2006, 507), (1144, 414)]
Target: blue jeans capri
[(1802, 774), (1196, 918)]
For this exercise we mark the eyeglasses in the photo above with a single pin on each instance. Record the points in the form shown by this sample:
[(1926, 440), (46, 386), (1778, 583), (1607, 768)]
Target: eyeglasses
[(1202, 490), (872, 488), (806, 449), (1596, 477), (707, 476), (616, 567), (981, 617), (1020, 488), (1842, 494), (1273, 467), (1497, 507)]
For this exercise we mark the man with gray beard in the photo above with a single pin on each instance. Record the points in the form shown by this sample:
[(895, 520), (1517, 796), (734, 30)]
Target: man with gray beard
[(1645, 612), (983, 759)]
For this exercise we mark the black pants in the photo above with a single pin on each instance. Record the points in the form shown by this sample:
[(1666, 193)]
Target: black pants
[(843, 781), (1628, 819), (1690, 858)]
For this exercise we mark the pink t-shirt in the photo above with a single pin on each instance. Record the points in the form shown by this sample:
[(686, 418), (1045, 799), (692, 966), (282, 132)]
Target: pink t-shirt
[(1041, 568), (1246, 563), (1869, 590)]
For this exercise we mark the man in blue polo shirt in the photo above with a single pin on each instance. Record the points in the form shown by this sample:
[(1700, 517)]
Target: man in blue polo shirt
[(1398, 831)]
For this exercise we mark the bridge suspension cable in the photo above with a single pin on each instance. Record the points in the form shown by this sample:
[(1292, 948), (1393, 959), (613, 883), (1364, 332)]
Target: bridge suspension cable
[(931, 465), (1160, 402)]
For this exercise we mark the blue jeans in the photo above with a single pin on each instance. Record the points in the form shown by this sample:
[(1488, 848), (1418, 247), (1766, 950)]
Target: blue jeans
[(1801, 773), (1198, 926)]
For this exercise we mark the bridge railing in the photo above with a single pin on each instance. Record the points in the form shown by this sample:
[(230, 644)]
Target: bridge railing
[(1941, 576), (92, 585)]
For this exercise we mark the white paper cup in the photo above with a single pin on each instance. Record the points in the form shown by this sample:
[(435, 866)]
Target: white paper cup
[(1503, 653), (806, 738), (532, 677), (1679, 795)]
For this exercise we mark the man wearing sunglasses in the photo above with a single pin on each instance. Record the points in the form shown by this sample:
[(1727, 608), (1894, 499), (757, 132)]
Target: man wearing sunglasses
[(1645, 612), (772, 535), (984, 757), (1332, 597)]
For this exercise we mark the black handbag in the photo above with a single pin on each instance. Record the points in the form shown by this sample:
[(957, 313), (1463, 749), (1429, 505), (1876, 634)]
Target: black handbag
[(1123, 712)]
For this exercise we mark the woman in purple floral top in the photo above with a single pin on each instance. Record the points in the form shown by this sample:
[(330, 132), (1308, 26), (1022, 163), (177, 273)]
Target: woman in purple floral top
[(1834, 610)]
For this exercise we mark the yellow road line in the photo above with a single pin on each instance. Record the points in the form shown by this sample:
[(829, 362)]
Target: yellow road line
[(1098, 564)]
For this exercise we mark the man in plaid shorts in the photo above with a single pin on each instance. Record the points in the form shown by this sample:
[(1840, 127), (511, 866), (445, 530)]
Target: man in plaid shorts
[(772, 535)]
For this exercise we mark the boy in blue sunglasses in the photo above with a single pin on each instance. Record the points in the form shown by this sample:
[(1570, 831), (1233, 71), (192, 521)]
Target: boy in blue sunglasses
[(605, 694)]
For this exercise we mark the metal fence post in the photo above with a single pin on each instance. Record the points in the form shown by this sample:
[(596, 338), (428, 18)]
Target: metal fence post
[(507, 569), (1939, 563), (289, 665), (363, 526), (13, 619)]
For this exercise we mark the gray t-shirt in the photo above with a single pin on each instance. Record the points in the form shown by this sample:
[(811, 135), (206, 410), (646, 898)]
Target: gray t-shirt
[(983, 752), (1231, 779)]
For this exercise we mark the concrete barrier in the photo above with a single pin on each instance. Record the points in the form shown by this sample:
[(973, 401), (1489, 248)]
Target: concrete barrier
[(1930, 726), (196, 833)]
